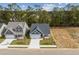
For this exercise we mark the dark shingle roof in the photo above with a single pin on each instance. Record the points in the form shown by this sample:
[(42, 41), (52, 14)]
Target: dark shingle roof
[(43, 27)]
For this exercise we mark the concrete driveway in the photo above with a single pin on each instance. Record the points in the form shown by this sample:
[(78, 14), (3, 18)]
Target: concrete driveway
[(35, 43), (5, 43)]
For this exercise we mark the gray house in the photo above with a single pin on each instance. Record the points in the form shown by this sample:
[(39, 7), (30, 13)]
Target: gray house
[(16, 30), (39, 31)]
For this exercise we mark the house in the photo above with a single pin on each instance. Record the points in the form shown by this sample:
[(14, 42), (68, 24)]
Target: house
[(2, 27), (39, 31), (16, 30)]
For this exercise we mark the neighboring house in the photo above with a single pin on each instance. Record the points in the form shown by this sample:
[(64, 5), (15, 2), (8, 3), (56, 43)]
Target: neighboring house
[(2, 27), (39, 31), (16, 30)]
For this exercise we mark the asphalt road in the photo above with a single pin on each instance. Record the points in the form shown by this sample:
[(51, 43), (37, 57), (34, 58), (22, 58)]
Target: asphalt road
[(42, 51)]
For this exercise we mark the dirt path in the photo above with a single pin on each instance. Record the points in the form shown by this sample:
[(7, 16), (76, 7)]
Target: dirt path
[(63, 39)]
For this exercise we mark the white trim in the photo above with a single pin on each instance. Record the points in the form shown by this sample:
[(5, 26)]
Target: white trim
[(18, 25), (7, 30), (37, 29), (24, 30), (1, 29)]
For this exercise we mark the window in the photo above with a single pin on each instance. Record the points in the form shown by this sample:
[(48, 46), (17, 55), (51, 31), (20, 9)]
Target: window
[(18, 29), (19, 35)]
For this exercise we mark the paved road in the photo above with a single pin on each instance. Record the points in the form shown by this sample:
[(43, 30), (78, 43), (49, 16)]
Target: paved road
[(42, 51), (5, 43), (35, 43)]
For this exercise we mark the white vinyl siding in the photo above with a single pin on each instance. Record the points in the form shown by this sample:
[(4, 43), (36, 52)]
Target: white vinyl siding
[(9, 36)]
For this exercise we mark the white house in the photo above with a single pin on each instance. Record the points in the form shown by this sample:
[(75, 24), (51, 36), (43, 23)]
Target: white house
[(16, 30)]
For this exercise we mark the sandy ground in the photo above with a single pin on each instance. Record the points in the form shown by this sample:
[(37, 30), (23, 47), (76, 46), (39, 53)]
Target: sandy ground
[(63, 39), (42, 51)]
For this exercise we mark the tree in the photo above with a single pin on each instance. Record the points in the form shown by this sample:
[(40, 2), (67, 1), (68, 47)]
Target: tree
[(12, 11)]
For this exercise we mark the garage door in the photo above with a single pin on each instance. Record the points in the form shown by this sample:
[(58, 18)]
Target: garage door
[(35, 36), (10, 36)]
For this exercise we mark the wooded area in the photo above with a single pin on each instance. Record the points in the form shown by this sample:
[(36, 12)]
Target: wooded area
[(67, 16)]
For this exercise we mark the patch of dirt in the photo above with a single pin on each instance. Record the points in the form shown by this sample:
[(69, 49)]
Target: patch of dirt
[(63, 39), (74, 32)]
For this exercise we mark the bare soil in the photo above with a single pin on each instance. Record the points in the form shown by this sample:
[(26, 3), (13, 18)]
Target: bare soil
[(63, 39)]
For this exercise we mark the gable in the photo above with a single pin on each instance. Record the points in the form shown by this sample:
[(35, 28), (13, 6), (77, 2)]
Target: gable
[(36, 30), (8, 32), (43, 28), (1, 25), (4, 30), (18, 29)]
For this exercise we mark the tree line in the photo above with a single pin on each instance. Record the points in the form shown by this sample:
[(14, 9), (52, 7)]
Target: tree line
[(66, 16)]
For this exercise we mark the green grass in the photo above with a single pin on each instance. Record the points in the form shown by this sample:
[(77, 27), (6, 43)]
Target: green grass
[(48, 41), (2, 39), (24, 41)]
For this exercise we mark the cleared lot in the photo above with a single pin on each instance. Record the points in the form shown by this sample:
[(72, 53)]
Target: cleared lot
[(74, 32), (63, 39)]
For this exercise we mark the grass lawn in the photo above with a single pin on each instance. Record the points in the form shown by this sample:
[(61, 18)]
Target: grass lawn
[(24, 41), (48, 41), (2, 39)]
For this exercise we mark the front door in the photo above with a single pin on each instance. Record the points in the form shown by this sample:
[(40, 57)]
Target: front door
[(35, 36)]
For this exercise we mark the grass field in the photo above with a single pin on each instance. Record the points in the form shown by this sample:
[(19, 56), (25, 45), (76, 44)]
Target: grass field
[(2, 39), (48, 41), (24, 41), (62, 38)]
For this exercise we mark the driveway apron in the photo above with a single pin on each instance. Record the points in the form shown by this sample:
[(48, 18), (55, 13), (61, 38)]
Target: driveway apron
[(6, 43), (35, 43)]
